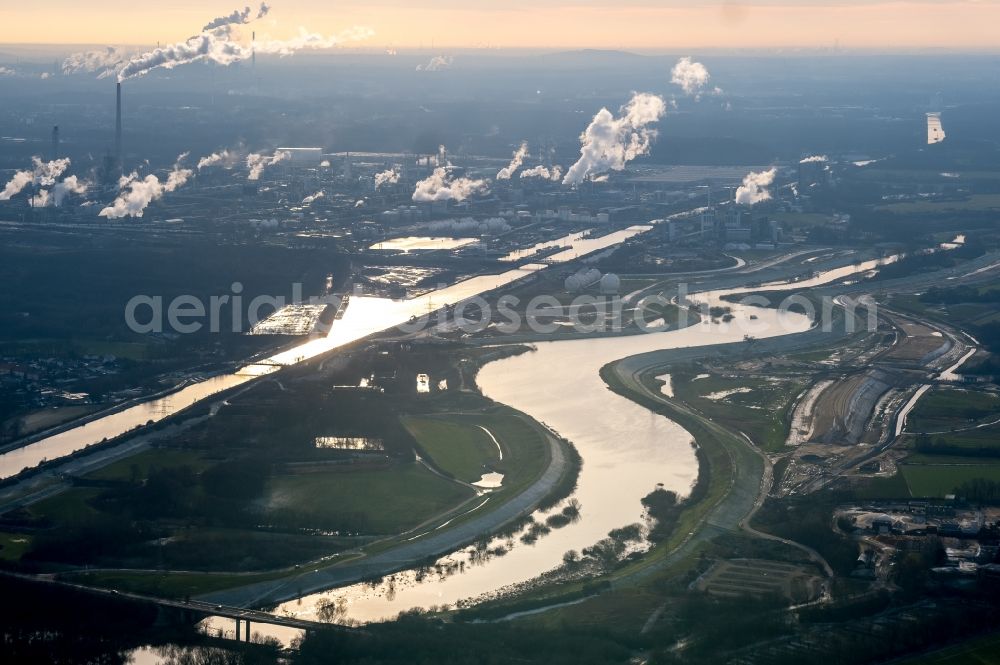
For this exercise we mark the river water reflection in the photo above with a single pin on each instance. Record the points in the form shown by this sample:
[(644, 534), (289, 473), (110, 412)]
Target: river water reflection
[(627, 452), (364, 316)]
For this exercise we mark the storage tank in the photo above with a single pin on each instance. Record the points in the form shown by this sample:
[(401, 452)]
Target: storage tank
[(610, 284), (582, 279)]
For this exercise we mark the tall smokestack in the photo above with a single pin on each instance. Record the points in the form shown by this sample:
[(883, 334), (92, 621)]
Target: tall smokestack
[(55, 142), (118, 124), (253, 51)]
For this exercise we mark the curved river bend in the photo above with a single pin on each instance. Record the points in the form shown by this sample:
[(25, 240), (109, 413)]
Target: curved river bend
[(626, 450)]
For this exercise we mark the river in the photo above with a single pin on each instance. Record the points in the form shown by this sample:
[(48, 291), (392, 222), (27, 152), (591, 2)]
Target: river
[(627, 452), (365, 315)]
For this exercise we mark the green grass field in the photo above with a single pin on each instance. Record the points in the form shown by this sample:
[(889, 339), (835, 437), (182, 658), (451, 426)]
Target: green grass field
[(961, 315), (937, 480), (761, 411), (13, 545), (892, 487), (526, 453), (138, 466), (977, 438), (922, 458), (461, 450), (167, 585), (68, 507), (942, 409), (978, 651), (392, 500), (35, 421)]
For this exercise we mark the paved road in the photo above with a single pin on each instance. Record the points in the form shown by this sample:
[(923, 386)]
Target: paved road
[(405, 555), (194, 606)]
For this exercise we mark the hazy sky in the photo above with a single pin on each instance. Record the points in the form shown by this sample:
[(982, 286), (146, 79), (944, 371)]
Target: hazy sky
[(665, 24)]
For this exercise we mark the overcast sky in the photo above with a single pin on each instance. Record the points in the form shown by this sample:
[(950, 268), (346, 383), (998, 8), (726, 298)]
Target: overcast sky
[(659, 24)]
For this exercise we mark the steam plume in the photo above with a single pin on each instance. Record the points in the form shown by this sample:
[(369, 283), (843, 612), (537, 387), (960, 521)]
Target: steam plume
[(312, 197), (106, 61), (42, 173), (754, 187), (554, 174), (439, 187), (309, 40), (70, 185), (237, 17), (58, 193), (813, 158), (436, 63), (225, 157), (609, 143), (389, 177), (142, 192), (515, 163), (39, 199), (217, 45), (257, 162), (691, 76)]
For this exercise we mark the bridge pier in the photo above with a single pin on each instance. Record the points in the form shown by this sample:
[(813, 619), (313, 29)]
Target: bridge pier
[(245, 623)]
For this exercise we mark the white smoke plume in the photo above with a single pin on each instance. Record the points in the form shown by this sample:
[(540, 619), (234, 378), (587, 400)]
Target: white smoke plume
[(257, 162), (437, 63), (106, 61), (309, 40), (20, 180), (609, 143), (312, 197), (224, 157), (7, 71), (388, 177), (554, 174), (69, 185), (218, 45), (142, 192), (515, 163), (39, 199), (813, 158), (691, 76), (754, 187), (58, 193), (440, 187), (214, 45), (237, 17), (41, 173)]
